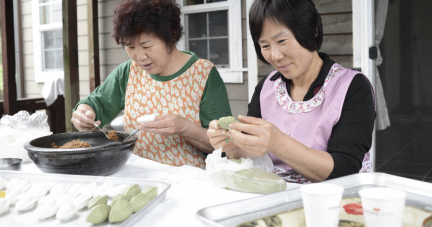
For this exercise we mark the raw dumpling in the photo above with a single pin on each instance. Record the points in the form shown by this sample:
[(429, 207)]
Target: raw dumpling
[(133, 191), (75, 189), (89, 189), (4, 205), (59, 189), (66, 212), (121, 211), (24, 185), (224, 122), (47, 210), (3, 183), (146, 118), (11, 185), (119, 189), (98, 214), (47, 199), (64, 199), (12, 196), (26, 202), (97, 200), (101, 190), (117, 198), (81, 201), (143, 198)]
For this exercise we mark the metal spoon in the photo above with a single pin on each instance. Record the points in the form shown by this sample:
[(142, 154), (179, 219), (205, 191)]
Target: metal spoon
[(133, 133), (97, 126)]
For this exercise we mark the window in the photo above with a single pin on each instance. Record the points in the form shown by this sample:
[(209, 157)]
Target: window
[(213, 31), (47, 39)]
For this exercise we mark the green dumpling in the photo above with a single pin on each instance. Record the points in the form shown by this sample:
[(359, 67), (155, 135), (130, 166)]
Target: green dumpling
[(117, 198), (224, 122), (143, 198), (256, 180), (96, 201), (121, 211), (133, 191), (98, 214)]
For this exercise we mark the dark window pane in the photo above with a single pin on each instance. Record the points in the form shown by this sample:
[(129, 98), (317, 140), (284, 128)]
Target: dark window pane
[(197, 25), (218, 23), (48, 40), (59, 59), (211, 1), (192, 2), (219, 52), (199, 47)]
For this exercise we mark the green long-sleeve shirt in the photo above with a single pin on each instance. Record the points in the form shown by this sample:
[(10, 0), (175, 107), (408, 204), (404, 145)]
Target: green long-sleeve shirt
[(108, 99)]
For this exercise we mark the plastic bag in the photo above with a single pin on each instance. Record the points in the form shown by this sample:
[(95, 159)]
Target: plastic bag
[(252, 175), (17, 129)]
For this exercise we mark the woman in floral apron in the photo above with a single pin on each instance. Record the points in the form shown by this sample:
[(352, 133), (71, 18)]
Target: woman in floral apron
[(184, 91), (313, 117)]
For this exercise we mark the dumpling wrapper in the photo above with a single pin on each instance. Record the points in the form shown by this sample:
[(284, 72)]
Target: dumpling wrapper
[(66, 212), (98, 214), (4, 205), (3, 183), (146, 118), (47, 210), (121, 211), (117, 198), (224, 122), (97, 201), (255, 180), (133, 191), (143, 198)]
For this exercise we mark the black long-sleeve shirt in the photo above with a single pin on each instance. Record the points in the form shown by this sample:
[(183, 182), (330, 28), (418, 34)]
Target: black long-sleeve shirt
[(351, 137)]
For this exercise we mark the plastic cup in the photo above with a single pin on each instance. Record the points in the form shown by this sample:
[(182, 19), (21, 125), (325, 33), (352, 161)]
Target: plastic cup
[(321, 203), (383, 206)]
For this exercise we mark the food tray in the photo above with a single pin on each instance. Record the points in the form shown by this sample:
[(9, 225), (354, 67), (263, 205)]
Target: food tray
[(27, 218), (419, 194)]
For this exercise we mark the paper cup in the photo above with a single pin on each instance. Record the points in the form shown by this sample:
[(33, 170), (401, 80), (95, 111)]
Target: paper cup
[(321, 202), (383, 206)]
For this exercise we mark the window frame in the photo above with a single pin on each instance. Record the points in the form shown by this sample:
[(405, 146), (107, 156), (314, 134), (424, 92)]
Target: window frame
[(233, 74), (40, 75)]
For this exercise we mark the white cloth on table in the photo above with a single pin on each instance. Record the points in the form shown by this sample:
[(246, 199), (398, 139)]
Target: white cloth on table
[(53, 87)]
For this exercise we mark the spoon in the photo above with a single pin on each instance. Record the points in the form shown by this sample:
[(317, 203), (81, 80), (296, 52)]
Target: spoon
[(133, 133), (97, 126)]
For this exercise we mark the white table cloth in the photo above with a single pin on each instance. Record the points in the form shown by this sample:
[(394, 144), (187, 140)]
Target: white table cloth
[(189, 191)]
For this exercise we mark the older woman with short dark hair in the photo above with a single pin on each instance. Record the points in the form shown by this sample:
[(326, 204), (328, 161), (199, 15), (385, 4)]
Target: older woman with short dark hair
[(183, 91), (313, 117)]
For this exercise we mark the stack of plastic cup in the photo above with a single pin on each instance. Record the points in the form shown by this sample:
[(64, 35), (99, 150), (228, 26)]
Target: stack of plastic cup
[(321, 203), (383, 206)]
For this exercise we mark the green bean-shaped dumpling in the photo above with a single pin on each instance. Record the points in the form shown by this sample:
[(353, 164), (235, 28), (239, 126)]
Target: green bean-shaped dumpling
[(98, 214)]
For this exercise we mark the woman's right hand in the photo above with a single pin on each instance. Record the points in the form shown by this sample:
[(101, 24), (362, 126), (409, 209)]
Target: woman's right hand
[(218, 136), (83, 118)]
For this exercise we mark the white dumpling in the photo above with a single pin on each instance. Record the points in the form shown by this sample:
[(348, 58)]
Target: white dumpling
[(47, 199), (64, 199), (89, 189), (101, 190), (12, 196), (81, 201), (119, 189), (59, 189), (11, 185), (47, 210), (41, 187), (3, 183), (24, 185), (66, 212), (75, 189), (4, 205), (146, 118), (25, 203), (36, 193)]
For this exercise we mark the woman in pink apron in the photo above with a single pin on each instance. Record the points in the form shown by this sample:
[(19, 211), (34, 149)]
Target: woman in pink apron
[(313, 117)]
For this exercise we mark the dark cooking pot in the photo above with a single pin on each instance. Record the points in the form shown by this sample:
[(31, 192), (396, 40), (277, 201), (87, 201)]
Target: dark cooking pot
[(103, 158)]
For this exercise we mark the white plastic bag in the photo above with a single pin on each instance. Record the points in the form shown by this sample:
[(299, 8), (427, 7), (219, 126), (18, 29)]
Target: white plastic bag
[(246, 175), (17, 129)]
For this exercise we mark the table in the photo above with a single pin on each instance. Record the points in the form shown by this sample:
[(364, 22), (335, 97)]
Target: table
[(189, 191)]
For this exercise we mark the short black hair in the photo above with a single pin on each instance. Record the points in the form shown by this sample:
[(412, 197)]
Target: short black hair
[(158, 17), (300, 16)]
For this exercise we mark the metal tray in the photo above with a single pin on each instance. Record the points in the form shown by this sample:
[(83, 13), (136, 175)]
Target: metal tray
[(419, 194), (16, 218)]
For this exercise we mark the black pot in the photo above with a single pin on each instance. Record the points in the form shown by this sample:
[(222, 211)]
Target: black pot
[(103, 158)]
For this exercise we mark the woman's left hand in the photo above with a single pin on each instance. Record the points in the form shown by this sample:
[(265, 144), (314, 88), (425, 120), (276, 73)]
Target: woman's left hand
[(166, 125), (263, 138)]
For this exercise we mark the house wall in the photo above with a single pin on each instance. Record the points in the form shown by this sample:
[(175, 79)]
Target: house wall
[(336, 17)]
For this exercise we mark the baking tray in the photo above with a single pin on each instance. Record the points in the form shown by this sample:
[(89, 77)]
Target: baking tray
[(16, 218), (419, 194)]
